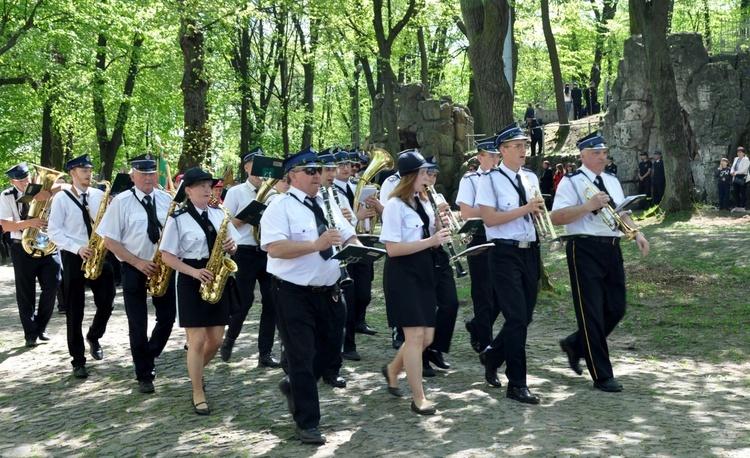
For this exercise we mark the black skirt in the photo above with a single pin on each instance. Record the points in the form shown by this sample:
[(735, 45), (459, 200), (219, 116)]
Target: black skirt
[(193, 311), (409, 284)]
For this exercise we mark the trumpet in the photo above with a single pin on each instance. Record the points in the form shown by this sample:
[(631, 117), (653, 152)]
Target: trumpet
[(611, 218), (455, 223), (543, 222), (460, 271)]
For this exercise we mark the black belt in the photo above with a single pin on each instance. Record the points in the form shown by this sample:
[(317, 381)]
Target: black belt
[(515, 243), (16, 240), (599, 239), (196, 263), (250, 248), (313, 289)]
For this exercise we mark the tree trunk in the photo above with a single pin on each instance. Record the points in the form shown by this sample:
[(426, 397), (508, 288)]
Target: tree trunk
[(308, 48), (554, 61), (423, 61), (197, 137), (653, 19), (607, 14), (486, 23)]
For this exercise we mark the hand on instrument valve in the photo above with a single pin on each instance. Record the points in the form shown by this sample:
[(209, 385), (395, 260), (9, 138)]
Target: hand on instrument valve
[(443, 207), (373, 203), (440, 237), (85, 252), (365, 213), (598, 201), (37, 223), (42, 196), (535, 205), (347, 214), (229, 246), (146, 267), (329, 238), (203, 275)]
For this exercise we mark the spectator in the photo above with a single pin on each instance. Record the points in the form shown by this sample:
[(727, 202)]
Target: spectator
[(644, 176), (559, 173), (570, 167), (659, 181), (577, 96), (592, 99), (529, 115), (739, 176), (546, 184), (724, 177), (568, 101), (537, 136), (611, 167), (217, 191)]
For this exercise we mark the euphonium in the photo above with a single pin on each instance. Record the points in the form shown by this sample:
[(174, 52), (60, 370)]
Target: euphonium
[(158, 283), (92, 267), (264, 192), (380, 160), (608, 215), (35, 241), (219, 264)]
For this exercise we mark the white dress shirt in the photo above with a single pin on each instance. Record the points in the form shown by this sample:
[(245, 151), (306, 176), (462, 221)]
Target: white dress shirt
[(290, 219), (126, 221), (343, 201), (467, 188), (387, 188), (66, 227), (183, 236), (496, 191), (401, 223), (10, 210), (238, 197), (570, 193)]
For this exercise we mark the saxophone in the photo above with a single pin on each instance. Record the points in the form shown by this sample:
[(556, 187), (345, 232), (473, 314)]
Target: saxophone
[(158, 283), (92, 267), (220, 264)]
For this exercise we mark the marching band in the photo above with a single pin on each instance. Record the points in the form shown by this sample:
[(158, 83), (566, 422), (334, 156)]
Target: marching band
[(205, 259)]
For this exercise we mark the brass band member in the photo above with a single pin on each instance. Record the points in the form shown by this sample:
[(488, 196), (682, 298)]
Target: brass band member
[(28, 270), (411, 237), (131, 228), (506, 203), (70, 225), (190, 236), (251, 262), (483, 295), (597, 276), (310, 315)]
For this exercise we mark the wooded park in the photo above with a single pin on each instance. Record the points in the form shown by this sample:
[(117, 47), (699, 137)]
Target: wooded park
[(205, 82)]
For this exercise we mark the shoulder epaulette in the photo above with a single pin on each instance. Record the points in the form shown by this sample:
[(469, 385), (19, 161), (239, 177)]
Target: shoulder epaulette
[(8, 191), (572, 174), (393, 178), (527, 170), (178, 212), (469, 175), (610, 173)]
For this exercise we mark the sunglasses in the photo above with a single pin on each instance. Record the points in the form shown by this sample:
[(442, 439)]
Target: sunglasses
[(311, 170)]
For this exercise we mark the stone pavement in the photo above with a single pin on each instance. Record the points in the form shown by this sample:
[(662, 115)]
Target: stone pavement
[(669, 407)]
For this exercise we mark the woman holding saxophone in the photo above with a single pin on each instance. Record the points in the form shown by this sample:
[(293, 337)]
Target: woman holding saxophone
[(191, 237)]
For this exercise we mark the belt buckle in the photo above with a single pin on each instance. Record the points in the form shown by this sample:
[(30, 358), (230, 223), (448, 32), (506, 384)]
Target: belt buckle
[(318, 289), (524, 244)]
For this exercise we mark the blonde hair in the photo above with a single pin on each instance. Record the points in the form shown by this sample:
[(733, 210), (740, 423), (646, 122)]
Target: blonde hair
[(405, 190)]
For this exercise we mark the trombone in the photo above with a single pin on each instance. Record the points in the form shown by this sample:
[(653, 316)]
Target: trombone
[(611, 218), (543, 222)]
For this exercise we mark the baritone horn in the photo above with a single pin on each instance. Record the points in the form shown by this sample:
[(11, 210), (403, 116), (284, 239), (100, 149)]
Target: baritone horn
[(610, 217), (380, 160), (36, 242)]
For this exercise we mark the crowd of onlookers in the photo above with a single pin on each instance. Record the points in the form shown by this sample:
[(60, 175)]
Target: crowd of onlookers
[(735, 177)]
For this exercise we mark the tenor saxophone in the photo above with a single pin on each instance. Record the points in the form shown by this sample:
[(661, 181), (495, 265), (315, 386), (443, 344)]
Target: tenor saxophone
[(92, 267), (220, 264)]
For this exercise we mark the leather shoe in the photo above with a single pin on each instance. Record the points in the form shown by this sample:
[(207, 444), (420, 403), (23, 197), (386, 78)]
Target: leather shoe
[(521, 394), (490, 375), (395, 391), (473, 336), (309, 435), (201, 410), (226, 349), (424, 411), (335, 381), (286, 389), (427, 370), (146, 386), (436, 358), (351, 355), (95, 349), (268, 361), (31, 343), (362, 328), (43, 336), (80, 372), (609, 385), (573, 360)]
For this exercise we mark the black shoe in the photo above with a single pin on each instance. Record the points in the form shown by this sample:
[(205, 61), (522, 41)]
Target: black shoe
[(201, 410), (31, 343), (362, 328), (490, 375), (351, 355), (473, 336), (62, 311), (95, 349), (286, 389), (397, 344), (146, 386), (573, 360), (425, 411), (309, 435), (80, 372), (521, 394), (609, 385), (395, 391), (186, 346), (268, 361), (427, 370), (226, 349), (335, 381), (436, 358), (43, 336)]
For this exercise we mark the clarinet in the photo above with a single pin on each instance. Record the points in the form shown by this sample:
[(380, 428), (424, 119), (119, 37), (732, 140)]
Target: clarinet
[(344, 278), (460, 272)]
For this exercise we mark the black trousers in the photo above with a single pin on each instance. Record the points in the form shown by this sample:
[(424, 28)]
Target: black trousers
[(311, 325), (447, 302), (597, 280), (135, 294), (740, 195), (27, 271), (658, 193), (75, 299), (251, 267), (358, 297), (515, 275), (483, 294)]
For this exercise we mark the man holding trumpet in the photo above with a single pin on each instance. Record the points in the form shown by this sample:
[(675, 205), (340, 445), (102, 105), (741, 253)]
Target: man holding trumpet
[(583, 204)]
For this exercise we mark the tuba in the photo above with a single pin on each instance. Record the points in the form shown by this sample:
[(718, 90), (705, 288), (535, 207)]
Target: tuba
[(219, 264), (159, 282), (35, 241), (92, 267), (380, 160)]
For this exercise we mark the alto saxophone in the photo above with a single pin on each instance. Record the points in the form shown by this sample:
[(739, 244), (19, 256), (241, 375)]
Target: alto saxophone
[(220, 264), (92, 267), (158, 283)]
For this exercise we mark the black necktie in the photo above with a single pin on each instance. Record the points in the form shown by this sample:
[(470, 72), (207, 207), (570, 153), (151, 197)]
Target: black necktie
[(320, 218), (350, 196), (86, 214), (153, 228), (211, 231), (522, 195), (600, 184), (425, 220)]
